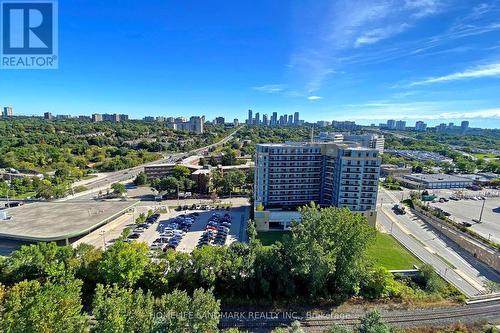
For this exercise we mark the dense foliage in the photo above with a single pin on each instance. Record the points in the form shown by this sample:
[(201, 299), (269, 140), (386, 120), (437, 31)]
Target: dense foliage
[(69, 150)]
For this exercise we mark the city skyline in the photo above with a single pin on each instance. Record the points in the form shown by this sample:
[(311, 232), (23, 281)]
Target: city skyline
[(367, 61)]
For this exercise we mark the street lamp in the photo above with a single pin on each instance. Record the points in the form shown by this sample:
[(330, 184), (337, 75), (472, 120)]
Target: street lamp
[(102, 233)]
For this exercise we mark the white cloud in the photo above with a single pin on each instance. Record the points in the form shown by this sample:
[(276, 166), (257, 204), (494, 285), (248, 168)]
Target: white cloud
[(376, 35), (345, 25), (314, 98), (271, 88), (472, 73)]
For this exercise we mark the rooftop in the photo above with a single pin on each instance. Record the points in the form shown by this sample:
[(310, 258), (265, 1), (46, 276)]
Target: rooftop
[(53, 221), (440, 177)]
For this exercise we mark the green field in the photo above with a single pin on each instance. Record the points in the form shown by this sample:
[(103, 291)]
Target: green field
[(271, 237), (386, 251), (389, 253)]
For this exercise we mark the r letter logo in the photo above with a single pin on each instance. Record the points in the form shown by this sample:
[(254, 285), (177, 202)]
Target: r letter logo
[(29, 38)]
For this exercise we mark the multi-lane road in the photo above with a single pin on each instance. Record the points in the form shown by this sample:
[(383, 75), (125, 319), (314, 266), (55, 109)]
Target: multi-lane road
[(123, 175), (450, 261)]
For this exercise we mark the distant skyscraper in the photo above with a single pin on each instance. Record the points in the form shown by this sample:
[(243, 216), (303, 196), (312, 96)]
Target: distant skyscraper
[(265, 120), (47, 116), (296, 118), (7, 112), (274, 119), (464, 125), (391, 124), (420, 126), (400, 125), (282, 120), (220, 121), (250, 117), (290, 119), (257, 118), (236, 122)]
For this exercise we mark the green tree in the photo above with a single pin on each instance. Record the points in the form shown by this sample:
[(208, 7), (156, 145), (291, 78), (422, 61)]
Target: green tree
[(122, 310), (123, 263), (206, 312), (32, 307), (169, 184), (140, 179), (118, 188), (39, 261), (327, 250), (372, 323), (375, 283), (181, 171)]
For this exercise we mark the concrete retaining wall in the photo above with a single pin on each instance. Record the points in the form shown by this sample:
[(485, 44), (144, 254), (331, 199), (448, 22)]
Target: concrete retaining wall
[(488, 255)]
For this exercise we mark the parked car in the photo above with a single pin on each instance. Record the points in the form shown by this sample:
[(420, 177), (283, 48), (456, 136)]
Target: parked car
[(134, 236)]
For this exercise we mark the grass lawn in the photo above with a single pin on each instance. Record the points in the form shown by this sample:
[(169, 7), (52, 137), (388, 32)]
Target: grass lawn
[(271, 237), (387, 252), (485, 155)]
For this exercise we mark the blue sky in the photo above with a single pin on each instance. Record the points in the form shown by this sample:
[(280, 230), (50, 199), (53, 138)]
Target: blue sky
[(368, 61)]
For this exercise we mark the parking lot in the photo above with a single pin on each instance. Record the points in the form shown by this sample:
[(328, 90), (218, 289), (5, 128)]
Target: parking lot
[(167, 229), (467, 211)]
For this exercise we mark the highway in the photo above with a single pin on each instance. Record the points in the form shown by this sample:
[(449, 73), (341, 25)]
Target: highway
[(449, 260), (126, 174)]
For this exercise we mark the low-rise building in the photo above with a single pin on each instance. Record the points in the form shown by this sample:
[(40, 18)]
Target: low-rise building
[(391, 170), (435, 181)]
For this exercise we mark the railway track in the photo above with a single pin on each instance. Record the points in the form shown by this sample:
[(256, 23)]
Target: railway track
[(467, 313)]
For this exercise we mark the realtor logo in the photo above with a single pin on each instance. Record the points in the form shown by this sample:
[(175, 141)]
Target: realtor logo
[(29, 38)]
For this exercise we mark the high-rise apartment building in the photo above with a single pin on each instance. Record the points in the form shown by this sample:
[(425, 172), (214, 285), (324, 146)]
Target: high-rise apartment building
[(265, 120), (420, 126), (296, 119), (373, 141), (401, 125), (96, 117), (274, 119), (464, 125), (290, 119), (250, 117), (7, 112), (220, 121), (327, 173), (391, 124), (47, 116), (257, 119)]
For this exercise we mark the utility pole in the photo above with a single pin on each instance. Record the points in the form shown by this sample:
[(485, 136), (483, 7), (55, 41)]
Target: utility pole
[(482, 208)]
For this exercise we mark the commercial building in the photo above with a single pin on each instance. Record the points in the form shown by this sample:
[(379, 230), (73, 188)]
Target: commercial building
[(331, 137), (390, 170), (434, 181), (158, 170), (330, 174), (7, 112)]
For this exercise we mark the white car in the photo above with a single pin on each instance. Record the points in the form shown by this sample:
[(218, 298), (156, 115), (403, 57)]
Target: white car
[(139, 230)]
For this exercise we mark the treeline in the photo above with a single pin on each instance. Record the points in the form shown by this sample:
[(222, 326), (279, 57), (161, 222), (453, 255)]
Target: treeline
[(323, 261)]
